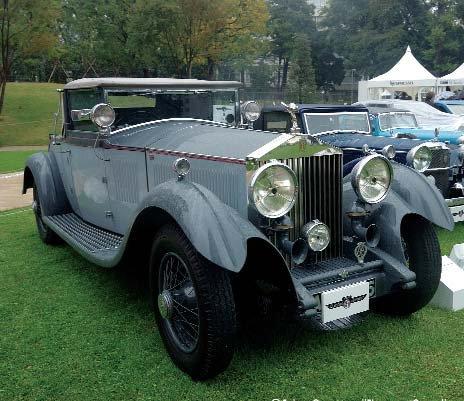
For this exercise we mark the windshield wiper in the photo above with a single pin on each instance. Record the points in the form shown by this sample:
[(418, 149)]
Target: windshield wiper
[(337, 131)]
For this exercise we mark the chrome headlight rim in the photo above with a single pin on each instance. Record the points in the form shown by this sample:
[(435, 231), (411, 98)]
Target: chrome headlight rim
[(95, 115), (310, 228), (389, 151), (460, 140), (255, 178), (411, 157), (248, 114), (356, 178)]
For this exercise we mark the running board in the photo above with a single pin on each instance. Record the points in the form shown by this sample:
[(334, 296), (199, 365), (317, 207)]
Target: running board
[(96, 244)]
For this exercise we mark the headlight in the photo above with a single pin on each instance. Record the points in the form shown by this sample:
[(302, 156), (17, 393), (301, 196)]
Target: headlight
[(317, 234), (420, 158), (461, 140), (273, 189), (251, 111), (103, 115), (389, 151), (371, 178)]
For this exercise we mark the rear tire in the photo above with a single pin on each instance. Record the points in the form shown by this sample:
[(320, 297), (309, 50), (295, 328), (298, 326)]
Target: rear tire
[(194, 305), (422, 251), (46, 234)]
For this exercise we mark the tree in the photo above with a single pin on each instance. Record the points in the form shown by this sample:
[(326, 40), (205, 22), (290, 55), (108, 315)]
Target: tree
[(198, 32), (28, 27), (372, 35), (302, 82), (289, 19)]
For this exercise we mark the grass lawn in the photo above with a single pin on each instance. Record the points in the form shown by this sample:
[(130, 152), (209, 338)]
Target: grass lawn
[(27, 118), (14, 161), (73, 331)]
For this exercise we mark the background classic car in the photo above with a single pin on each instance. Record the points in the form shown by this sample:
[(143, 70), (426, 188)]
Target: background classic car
[(228, 219), (350, 128), (450, 126)]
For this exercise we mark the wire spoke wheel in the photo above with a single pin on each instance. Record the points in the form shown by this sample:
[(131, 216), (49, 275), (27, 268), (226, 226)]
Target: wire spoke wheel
[(177, 302)]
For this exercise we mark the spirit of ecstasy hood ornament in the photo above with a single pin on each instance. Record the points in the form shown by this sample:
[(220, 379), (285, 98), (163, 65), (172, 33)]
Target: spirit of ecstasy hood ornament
[(292, 109)]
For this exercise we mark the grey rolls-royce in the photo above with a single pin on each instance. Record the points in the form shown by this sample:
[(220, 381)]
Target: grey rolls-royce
[(165, 173)]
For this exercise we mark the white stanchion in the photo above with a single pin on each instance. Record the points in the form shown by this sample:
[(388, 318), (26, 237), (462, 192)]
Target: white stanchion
[(457, 255), (450, 293)]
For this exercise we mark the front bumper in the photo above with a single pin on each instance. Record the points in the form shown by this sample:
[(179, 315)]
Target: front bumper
[(384, 274), (456, 206)]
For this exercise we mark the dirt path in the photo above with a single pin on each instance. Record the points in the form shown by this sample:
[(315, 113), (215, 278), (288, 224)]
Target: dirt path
[(20, 148), (10, 192)]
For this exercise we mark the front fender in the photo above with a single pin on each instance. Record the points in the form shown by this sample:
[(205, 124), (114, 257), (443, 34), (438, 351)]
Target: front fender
[(411, 193), (42, 169), (218, 232)]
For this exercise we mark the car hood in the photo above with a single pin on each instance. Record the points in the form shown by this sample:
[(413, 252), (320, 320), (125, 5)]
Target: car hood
[(192, 137), (347, 140)]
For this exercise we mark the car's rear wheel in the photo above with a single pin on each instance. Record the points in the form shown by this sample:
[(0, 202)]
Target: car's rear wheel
[(422, 252), (46, 234), (194, 305)]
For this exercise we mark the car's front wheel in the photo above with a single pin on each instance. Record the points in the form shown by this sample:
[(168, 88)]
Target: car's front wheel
[(422, 253), (194, 305)]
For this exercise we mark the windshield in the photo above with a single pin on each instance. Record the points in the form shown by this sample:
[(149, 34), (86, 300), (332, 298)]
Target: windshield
[(397, 120), (140, 106), (457, 108), (317, 123)]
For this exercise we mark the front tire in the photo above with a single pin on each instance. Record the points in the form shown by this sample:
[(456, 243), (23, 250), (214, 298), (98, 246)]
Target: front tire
[(194, 305), (423, 256), (46, 234)]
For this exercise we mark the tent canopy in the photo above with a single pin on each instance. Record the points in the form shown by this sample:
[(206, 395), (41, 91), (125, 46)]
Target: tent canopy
[(455, 78), (408, 72)]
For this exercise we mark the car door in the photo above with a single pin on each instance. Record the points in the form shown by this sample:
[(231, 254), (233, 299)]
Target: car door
[(87, 162)]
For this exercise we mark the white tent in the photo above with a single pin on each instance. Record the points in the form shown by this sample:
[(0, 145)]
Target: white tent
[(456, 78), (407, 75)]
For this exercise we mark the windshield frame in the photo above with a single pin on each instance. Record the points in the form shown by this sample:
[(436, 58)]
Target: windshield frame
[(389, 113), (308, 113), (451, 106), (108, 90)]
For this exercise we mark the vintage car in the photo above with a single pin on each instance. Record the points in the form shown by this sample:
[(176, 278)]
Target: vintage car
[(451, 106), (350, 127), (229, 219), (446, 127)]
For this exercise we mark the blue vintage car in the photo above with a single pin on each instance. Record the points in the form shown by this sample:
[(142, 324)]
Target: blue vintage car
[(450, 106), (227, 221), (350, 128), (426, 121), (396, 123)]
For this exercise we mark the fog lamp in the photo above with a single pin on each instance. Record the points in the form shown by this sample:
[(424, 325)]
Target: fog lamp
[(317, 234)]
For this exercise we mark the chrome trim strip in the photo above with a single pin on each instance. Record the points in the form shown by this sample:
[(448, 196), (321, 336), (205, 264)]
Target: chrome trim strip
[(141, 125), (152, 152)]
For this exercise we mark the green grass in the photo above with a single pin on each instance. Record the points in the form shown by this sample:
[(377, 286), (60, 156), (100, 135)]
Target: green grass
[(13, 161), (27, 117), (73, 331)]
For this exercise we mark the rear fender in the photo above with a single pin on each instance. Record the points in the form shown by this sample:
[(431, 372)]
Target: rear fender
[(42, 169)]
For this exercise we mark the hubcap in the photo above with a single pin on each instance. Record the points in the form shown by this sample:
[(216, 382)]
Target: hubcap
[(165, 304)]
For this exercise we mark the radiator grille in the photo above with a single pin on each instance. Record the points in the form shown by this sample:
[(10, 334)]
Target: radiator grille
[(319, 197)]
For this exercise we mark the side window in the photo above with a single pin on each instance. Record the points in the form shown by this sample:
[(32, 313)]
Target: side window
[(82, 99)]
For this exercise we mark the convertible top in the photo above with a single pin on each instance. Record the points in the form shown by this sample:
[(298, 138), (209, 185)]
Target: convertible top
[(161, 83)]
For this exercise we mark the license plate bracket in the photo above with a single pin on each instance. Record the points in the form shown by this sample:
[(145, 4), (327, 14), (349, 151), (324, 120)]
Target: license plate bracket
[(345, 301)]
